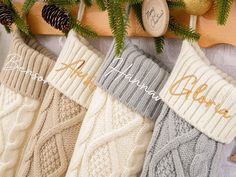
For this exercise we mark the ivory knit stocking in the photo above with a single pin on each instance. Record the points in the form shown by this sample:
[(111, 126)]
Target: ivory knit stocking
[(21, 92), (62, 111), (114, 137)]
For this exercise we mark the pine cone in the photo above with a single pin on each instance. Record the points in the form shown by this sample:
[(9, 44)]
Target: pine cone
[(5, 15), (56, 17)]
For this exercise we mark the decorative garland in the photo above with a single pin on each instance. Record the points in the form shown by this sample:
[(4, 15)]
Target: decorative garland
[(57, 13), (9, 15)]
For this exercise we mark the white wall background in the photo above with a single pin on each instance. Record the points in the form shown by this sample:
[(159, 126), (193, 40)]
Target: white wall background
[(223, 56)]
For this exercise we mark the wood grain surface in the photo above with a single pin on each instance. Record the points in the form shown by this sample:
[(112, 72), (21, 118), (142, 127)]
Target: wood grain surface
[(211, 33)]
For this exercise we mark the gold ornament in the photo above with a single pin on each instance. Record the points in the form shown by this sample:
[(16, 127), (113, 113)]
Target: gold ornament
[(197, 7)]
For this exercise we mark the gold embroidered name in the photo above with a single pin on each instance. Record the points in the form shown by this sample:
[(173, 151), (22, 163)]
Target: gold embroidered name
[(197, 94), (76, 69)]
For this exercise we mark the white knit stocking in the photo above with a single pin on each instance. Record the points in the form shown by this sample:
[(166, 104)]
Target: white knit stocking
[(21, 92), (112, 141), (16, 119)]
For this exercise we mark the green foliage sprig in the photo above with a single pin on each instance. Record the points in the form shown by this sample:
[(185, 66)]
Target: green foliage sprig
[(181, 31), (28, 4), (159, 44), (175, 4), (17, 18), (222, 8), (83, 30), (118, 18), (62, 19), (137, 8)]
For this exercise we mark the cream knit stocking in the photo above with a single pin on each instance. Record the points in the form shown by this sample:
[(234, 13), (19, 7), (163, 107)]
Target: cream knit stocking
[(114, 137), (21, 91), (62, 111)]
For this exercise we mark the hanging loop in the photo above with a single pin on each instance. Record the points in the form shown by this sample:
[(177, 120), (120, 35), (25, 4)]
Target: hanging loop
[(193, 22), (81, 10)]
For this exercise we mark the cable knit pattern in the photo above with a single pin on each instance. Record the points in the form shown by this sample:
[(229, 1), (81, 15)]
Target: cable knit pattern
[(53, 138), (20, 95), (63, 110), (202, 95), (179, 150), (113, 138), (22, 113), (112, 141)]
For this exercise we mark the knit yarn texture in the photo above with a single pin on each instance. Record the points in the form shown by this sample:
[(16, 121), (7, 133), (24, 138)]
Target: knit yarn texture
[(114, 137), (202, 94), (54, 136), (177, 148), (21, 92)]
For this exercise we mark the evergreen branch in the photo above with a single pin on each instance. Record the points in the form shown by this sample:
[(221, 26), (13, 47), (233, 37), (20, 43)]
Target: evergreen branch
[(82, 29), (7, 2), (159, 44), (175, 4), (28, 4), (138, 13), (20, 23), (131, 2), (117, 20), (182, 31), (101, 4), (88, 2), (62, 2), (223, 9)]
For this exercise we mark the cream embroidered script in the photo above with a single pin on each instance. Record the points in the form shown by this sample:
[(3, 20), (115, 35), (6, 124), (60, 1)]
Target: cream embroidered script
[(14, 64), (76, 69), (132, 79)]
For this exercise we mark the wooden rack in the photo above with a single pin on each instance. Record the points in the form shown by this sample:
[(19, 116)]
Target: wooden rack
[(211, 33)]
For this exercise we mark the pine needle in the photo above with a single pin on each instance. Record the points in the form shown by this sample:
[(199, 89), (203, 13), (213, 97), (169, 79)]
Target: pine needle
[(62, 2), (138, 13), (223, 8), (175, 4), (159, 44), (88, 2), (117, 20), (21, 24), (7, 2), (182, 31), (82, 29), (28, 4), (131, 2), (17, 19), (101, 4)]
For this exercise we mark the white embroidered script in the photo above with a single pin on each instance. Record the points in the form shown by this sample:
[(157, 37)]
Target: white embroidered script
[(14, 64), (132, 79)]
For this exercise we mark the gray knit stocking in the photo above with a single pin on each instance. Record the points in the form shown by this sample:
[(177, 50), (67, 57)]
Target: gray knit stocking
[(179, 150)]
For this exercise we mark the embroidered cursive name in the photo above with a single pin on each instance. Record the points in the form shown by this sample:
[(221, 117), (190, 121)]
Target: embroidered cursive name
[(14, 64), (197, 95), (131, 78), (76, 69)]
